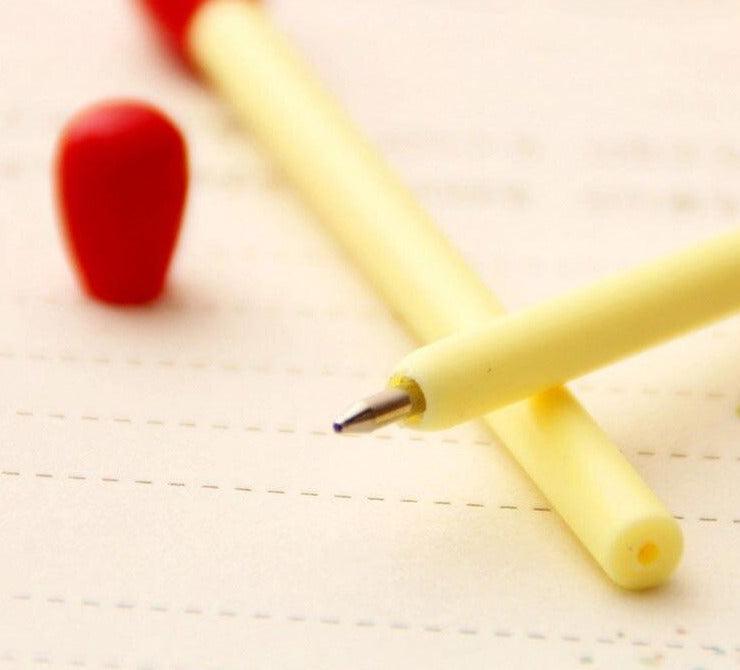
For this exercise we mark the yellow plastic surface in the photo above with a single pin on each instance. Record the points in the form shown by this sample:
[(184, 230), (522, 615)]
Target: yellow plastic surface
[(510, 358), (426, 283)]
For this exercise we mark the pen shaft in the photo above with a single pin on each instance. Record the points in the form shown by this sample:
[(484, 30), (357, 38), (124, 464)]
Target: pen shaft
[(514, 357), (426, 283)]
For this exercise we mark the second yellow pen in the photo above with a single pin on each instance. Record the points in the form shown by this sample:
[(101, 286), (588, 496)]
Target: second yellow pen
[(466, 375)]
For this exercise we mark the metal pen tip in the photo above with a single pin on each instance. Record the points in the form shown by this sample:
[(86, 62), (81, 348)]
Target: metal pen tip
[(376, 411)]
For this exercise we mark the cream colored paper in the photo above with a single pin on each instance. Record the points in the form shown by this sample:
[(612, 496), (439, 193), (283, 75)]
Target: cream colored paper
[(552, 146)]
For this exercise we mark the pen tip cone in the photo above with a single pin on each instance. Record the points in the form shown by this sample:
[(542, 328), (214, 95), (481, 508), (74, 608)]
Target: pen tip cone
[(378, 410)]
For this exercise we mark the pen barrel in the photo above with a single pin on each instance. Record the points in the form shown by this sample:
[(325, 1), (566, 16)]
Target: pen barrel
[(514, 357), (337, 171), (426, 283)]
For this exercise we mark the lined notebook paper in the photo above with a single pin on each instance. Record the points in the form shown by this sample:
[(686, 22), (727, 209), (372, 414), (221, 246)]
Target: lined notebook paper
[(171, 495)]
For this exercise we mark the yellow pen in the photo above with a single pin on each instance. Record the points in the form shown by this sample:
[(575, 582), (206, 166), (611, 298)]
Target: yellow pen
[(479, 370), (234, 44)]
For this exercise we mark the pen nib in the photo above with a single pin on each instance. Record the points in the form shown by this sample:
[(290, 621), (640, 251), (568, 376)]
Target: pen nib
[(376, 411)]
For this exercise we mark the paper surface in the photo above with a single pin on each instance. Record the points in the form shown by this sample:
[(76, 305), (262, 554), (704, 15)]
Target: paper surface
[(172, 496)]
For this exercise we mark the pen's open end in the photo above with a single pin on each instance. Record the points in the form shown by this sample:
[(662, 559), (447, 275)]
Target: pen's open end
[(338, 427)]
